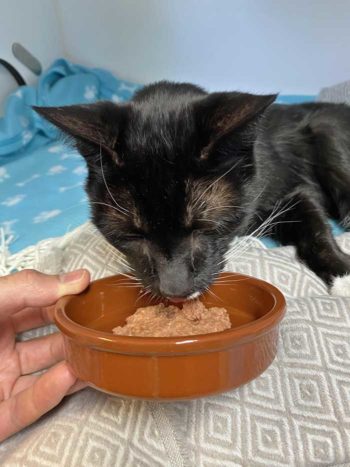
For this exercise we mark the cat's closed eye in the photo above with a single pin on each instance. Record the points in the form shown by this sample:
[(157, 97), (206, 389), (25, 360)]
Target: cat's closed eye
[(133, 237)]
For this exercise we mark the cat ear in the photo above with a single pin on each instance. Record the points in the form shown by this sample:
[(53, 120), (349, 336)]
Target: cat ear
[(92, 126), (219, 114)]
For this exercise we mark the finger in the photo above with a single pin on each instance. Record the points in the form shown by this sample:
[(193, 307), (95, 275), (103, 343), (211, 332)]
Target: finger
[(23, 383), (78, 386), (6, 339), (29, 405), (32, 318), (28, 380), (38, 354), (30, 288)]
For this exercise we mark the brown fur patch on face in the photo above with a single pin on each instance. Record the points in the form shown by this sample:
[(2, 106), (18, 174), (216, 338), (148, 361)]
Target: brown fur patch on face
[(137, 220), (207, 201), (121, 211)]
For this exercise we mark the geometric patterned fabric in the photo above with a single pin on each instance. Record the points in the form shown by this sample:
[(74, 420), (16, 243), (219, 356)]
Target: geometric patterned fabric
[(296, 414)]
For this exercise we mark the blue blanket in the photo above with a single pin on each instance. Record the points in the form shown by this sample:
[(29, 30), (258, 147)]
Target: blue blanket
[(41, 180), (62, 84)]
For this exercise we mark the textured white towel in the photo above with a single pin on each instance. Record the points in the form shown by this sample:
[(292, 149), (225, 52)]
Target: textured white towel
[(296, 414), (337, 93)]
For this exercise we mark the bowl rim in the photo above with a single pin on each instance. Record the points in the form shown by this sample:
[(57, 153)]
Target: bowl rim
[(200, 343)]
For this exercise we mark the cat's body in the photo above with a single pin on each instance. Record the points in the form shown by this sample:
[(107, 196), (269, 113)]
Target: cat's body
[(302, 157), (176, 174)]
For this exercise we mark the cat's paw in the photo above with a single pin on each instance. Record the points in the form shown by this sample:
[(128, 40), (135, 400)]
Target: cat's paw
[(341, 286)]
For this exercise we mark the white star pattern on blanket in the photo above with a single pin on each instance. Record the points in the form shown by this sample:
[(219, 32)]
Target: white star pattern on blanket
[(52, 196), (24, 121), (68, 155), (55, 148), (26, 136), (13, 200), (81, 170), (62, 189), (28, 180), (127, 87), (90, 93), (116, 98), (56, 169), (3, 174), (45, 216)]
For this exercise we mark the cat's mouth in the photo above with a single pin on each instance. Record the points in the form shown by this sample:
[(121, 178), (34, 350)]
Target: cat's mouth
[(183, 299)]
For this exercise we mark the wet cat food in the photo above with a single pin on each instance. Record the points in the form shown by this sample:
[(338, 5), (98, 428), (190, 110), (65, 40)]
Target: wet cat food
[(170, 321)]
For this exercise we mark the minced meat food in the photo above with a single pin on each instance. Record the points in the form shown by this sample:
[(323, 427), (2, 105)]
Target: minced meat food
[(170, 321)]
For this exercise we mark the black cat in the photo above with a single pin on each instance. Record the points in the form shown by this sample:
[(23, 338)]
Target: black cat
[(177, 173)]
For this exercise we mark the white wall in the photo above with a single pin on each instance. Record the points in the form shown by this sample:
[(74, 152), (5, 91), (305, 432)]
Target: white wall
[(260, 45), (292, 46), (33, 23)]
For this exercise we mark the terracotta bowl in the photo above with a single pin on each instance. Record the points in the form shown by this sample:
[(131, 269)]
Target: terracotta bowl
[(167, 368)]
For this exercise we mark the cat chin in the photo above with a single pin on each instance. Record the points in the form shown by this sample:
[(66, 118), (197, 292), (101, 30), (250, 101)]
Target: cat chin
[(341, 286), (193, 296)]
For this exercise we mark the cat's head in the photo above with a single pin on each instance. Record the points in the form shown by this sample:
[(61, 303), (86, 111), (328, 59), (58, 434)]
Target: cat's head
[(169, 177)]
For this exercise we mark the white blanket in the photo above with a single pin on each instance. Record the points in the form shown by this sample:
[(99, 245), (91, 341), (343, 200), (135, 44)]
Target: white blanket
[(296, 414)]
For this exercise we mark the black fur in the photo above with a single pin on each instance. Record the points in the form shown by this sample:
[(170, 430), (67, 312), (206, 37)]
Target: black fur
[(176, 174)]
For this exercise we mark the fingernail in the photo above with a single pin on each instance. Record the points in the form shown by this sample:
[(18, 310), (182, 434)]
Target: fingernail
[(73, 276)]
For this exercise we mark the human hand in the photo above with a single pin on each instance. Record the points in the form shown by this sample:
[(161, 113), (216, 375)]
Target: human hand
[(27, 301)]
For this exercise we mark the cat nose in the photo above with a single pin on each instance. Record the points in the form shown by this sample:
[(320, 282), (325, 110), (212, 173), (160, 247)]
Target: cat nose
[(174, 282), (174, 292)]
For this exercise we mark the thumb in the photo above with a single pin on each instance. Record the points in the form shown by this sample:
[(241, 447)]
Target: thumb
[(30, 288)]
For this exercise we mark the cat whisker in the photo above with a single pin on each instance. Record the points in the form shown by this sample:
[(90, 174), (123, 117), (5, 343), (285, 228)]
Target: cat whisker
[(124, 286), (142, 295), (207, 220), (119, 257), (128, 281), (118, 207), (214, 294), (220, 206), (132, 279), (105, 204), (200, 198), (124, 261), (267, 225), (136, 284), (154, 296), (150, 297), (232, 281)]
